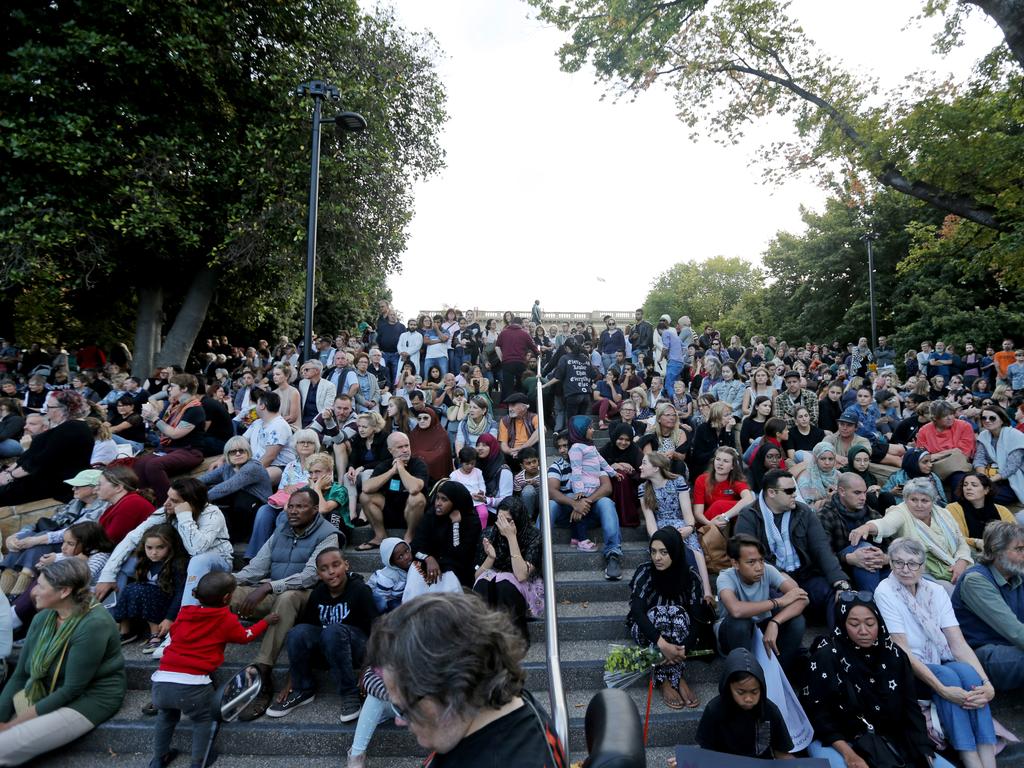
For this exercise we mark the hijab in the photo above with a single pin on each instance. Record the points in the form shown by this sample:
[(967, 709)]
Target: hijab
[(615, 455), (432, 445), (875, 684), (817, 480), (757, 467), (578, 427), (491, 467), (866, 476), (912, 462), (459, 496), (674, 581)]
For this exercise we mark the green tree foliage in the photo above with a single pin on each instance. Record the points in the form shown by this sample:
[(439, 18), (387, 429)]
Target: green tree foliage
[(957, 147), (705, 291), (154, 153)]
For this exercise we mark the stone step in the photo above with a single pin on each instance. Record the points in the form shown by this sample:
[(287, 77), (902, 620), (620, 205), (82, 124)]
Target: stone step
[(567, 558), (559, 536)]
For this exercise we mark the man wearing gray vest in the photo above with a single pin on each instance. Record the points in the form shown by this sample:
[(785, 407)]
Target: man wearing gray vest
[(989, 604), (279, 579)]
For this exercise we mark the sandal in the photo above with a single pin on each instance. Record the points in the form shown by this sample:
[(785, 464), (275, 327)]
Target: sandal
[(152, 644), (672, 702), (586, 545), (368, 546)]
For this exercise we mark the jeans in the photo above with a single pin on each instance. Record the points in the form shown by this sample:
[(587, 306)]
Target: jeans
[(673, 370), (198, 566), (9, 449), (530, 497), (440, 362), (1004, 665), (964, 729), (171, 701), (267, 520), (374, 712), (602, 513), (343, 647), (636, 355), (821, 597), (392, 361), (862, 578), (835, 760), (739, 633), (607, 361), (137, 447)]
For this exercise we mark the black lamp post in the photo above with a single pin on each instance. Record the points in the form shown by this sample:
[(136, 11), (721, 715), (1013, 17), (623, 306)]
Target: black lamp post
[(344, 122), (870, 238)]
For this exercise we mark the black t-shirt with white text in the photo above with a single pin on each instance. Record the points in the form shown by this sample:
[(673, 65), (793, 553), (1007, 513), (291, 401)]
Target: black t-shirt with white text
[(575, 374), (353, 607)]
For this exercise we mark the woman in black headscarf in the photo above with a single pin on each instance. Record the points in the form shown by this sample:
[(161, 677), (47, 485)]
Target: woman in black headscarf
[(508, 573), (860, 681), (858, 460), (622, 453), (445, 542), (665, 595)]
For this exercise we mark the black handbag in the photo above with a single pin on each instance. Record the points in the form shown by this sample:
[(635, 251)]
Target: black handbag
[(877, 750)]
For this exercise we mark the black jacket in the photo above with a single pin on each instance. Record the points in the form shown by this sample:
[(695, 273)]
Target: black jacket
[(807, 535)]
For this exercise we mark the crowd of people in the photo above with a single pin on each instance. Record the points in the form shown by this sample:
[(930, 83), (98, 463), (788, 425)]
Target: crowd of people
[(846, 487)]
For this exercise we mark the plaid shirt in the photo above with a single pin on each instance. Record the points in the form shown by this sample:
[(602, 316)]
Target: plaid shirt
[(835, 529), (785, 408)]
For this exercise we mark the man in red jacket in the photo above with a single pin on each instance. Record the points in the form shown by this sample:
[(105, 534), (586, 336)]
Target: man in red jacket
[(182, 683), (512, 345)]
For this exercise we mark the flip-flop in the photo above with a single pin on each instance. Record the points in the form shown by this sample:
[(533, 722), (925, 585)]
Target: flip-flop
[(677, 704), (368, 546)]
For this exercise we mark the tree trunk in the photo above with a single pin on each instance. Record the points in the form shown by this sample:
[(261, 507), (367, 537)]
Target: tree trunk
[(189, 319), (1009, 15), (148, 323)]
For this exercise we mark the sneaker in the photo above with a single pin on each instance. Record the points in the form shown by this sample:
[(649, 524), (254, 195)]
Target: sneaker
[(158, 652), (293, 700), (586, 545), (350, 707), (613, 567)]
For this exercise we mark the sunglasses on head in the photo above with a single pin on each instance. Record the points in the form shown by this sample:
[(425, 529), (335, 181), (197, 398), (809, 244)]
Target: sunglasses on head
[(849, 595)]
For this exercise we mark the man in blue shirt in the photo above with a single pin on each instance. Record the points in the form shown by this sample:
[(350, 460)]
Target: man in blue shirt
[(940, 362)]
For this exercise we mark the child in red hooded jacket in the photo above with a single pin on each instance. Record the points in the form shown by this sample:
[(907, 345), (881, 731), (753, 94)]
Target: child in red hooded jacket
[(182, 684)]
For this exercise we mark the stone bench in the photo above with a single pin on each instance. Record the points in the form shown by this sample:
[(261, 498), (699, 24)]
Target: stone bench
[(15, 517)]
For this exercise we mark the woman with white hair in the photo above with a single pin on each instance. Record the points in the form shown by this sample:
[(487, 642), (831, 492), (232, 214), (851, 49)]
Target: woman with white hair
[(920, 619), (947, 553), (240, 485)]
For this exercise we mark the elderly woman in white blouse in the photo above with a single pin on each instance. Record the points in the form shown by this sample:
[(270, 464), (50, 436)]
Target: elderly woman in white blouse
[(920, 619)]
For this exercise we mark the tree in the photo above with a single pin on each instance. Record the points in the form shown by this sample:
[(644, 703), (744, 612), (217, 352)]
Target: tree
[(733, 62), (705, 291), (154, 153)]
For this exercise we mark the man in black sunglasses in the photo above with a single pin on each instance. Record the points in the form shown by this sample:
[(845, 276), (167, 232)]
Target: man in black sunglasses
[(794, 541)]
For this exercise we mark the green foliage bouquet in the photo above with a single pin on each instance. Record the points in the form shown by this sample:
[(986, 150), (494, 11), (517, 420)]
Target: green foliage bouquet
[(628, 663)]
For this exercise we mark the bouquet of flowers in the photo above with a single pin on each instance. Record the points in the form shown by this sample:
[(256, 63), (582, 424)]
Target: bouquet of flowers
[(628, 663)]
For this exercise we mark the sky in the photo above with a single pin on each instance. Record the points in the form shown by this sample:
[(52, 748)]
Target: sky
[(552, 193)]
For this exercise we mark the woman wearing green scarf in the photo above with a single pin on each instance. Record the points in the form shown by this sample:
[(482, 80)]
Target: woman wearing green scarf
[(70, 674)]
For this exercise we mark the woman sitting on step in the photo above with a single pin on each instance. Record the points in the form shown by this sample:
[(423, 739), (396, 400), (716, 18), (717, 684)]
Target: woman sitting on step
[(70, 674), (665, 594)]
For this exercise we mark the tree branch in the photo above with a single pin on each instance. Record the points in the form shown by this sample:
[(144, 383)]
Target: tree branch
[(960, 205)]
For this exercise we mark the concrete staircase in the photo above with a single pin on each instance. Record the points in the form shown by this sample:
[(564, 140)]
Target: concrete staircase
[(591, 616)]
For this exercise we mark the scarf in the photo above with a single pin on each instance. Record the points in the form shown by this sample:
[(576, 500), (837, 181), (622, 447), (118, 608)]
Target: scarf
[(174, 414), (478, 427), (51, 645), (999, 450), (786, 557), (816, 483), (493, 464), (976, 518), (578, 427), (615, 455), (432, 445), (942, 544), (924, 611)]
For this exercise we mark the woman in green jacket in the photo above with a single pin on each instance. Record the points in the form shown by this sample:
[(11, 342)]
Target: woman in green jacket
[(70, 674)]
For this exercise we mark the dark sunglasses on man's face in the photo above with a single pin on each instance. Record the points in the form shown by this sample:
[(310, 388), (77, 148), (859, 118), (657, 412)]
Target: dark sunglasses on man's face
[(787, 491)]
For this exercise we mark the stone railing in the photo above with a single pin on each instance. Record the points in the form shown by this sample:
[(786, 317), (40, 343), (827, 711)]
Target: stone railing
[(595, 317)]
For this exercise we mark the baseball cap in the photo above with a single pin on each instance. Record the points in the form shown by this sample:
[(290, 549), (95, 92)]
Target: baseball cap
[(85, 477), (850, 415), (791, 375)]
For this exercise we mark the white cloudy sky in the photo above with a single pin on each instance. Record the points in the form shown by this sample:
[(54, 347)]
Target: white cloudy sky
[(547, 186)]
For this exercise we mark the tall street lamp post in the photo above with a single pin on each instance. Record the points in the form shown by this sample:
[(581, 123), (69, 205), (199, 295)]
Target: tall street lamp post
[(344, 122), (870, 238)]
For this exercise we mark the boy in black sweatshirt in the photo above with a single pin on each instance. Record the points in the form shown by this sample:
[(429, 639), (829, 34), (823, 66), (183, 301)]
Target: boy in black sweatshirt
[(334, 625)]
